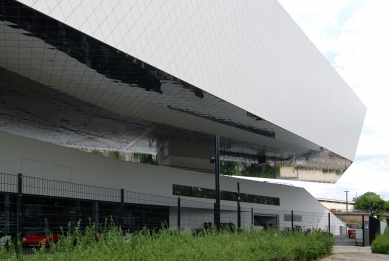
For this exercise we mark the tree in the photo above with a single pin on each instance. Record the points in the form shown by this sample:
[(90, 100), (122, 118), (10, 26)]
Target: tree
[(371, 199)]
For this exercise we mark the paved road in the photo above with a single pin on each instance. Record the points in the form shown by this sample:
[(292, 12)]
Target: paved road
[(357, 257), (344, 241)]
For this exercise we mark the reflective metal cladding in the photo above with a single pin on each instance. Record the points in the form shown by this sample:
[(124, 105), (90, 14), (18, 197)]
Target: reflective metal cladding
[(62, 86)]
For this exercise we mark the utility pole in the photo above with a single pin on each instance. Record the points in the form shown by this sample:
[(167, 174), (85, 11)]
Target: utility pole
[(346, 199)]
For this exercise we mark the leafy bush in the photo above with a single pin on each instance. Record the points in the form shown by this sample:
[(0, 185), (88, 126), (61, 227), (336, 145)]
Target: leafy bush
[(380, 244), (173, 244)]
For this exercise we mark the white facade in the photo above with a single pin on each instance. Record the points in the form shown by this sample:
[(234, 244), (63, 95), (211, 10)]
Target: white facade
[(39, 159), (251, 54)]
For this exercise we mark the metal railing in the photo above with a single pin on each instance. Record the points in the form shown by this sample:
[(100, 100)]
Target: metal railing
[(31, 203)]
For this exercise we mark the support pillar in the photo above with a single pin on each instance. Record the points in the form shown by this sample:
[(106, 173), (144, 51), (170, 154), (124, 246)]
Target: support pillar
[(292, 222), (122, 208), (329, 223), (19, 206), (239, 214), (217, 183)]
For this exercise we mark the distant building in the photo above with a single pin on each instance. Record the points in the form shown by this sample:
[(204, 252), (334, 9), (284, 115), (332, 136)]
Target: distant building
[(337, 205)]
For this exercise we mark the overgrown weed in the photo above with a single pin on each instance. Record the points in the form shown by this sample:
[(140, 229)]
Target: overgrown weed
[(174, 244)]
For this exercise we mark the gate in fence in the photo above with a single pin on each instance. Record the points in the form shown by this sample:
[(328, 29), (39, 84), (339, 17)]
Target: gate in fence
[(374, 228)]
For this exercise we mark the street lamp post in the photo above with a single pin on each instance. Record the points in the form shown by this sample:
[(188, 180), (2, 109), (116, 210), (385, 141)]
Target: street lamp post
[(346, 199)]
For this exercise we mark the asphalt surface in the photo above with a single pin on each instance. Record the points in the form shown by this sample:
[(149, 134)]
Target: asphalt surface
[(344, 241)]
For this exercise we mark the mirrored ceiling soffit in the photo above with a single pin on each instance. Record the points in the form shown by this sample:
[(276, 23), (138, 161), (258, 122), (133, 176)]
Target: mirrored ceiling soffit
[(61, 86)]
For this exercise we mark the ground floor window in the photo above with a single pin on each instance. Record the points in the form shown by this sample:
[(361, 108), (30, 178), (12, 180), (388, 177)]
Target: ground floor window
[(189, 191), (55, 212)]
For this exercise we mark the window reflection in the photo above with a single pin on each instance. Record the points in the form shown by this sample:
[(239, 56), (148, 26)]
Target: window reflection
[(196, 192), (101, 57)]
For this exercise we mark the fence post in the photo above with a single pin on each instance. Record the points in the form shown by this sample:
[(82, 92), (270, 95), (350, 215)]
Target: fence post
[(19, 206), (96, 215), (179, 212), (122, 207), (252, 216), (363, 230), (7, 215), (292, 222), (329, 223)]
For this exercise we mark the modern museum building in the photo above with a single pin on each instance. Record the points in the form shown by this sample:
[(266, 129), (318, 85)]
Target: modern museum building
[(128, 110)]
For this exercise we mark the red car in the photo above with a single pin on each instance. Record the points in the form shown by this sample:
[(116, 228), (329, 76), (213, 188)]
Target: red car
[(351, 228), (39, 238)]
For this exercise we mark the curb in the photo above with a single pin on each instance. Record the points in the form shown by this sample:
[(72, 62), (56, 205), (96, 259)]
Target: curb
[(350, 249)]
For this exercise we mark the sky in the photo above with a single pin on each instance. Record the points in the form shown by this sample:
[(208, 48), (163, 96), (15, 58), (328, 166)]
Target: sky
[(354, 37)]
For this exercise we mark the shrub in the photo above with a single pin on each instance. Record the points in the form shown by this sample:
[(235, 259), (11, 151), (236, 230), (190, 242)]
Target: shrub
[(380, 244)]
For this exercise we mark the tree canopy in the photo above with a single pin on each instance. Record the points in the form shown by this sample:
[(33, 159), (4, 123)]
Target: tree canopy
[(371, 199)]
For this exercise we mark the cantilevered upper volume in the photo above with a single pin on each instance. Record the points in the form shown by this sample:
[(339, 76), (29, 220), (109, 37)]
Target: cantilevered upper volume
[(162, 78)]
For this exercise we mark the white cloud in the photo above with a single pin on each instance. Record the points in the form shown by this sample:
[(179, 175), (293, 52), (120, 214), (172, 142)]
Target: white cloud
[(354, 37)]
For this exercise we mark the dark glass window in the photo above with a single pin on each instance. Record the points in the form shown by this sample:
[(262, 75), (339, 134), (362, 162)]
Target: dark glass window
[(188, 191), (296, 218)]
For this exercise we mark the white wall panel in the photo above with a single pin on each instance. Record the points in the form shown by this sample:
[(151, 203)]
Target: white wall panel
[(62, 173), (95, 170), (100, 171), (32, 167)]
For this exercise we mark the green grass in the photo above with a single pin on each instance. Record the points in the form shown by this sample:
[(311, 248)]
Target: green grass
[(380, 244), (172, 244)]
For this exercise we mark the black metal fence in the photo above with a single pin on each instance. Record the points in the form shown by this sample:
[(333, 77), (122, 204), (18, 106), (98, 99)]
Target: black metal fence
[(374, 228), (30, 204)]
